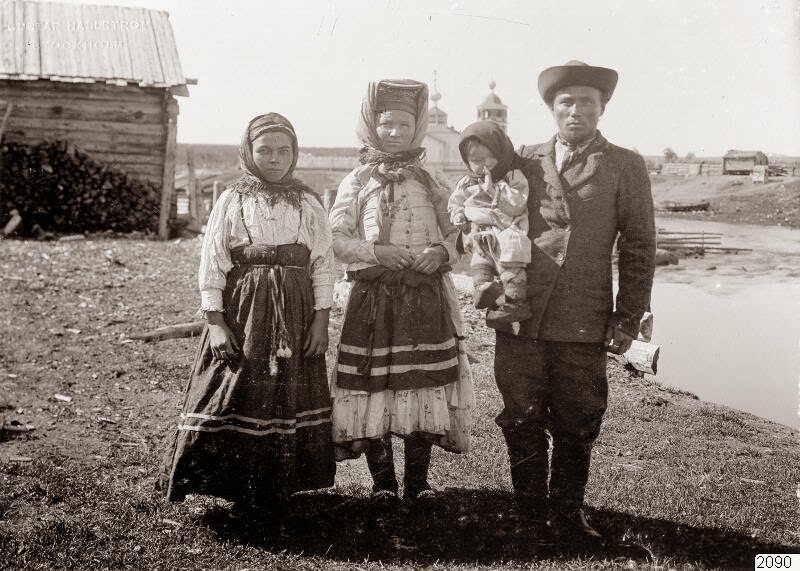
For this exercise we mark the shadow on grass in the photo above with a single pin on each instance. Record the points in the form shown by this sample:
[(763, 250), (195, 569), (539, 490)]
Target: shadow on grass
[(466, 526)]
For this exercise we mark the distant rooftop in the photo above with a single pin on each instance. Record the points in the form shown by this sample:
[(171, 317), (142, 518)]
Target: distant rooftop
[(736, 154)]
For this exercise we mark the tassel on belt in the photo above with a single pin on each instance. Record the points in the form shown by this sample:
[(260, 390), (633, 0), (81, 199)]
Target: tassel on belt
[(279, 342)]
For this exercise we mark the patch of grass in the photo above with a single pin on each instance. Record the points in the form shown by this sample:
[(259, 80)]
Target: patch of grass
[(699, 485)]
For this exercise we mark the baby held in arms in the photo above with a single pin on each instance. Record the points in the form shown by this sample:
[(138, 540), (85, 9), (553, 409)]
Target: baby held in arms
[(490, 206)]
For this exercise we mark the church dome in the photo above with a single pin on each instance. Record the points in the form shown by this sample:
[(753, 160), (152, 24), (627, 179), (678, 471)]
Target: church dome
[(493, 108), (492, 101)]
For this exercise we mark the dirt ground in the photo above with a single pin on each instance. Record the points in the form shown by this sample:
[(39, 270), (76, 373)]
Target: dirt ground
[(699, 485), (733, 198)]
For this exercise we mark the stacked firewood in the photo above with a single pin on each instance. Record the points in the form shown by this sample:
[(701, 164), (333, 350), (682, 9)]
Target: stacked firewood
[(63, 190)]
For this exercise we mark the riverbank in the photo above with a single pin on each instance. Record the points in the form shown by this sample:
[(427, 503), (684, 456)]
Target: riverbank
[(699, 485), (734, 199)]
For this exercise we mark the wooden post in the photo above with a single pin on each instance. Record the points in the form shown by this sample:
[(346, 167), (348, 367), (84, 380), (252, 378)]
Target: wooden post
[(9, 107), (215, 196), (168, 179), (191, 184)]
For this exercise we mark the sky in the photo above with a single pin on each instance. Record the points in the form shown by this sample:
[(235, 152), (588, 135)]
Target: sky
[(700, 77)]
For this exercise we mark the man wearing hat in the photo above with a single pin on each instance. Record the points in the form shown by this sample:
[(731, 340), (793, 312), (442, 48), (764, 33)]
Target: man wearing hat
[(585, 195)]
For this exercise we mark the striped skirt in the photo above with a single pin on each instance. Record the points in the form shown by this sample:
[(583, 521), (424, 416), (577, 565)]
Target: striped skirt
[(256, 429), (401, 367)]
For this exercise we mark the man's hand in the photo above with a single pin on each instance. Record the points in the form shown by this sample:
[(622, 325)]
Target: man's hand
[(617, 341)]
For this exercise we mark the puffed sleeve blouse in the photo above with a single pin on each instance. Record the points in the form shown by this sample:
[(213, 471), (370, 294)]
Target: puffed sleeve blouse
[(415, 224), (275, 224)]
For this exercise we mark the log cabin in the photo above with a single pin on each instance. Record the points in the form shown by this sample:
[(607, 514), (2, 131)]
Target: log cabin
[(102, 78)]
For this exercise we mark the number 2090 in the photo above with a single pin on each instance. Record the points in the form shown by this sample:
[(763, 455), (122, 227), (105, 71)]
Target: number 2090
[(774, 561)]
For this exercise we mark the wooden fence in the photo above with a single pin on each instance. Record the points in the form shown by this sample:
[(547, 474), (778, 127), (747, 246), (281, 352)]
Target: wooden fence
[(713, 169), (692, 169), (699, 242)]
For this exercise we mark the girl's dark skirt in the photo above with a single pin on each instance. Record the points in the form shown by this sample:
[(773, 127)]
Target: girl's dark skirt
[(246, 434)]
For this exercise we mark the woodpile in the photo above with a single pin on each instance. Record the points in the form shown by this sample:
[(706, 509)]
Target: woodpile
[(62, 189)]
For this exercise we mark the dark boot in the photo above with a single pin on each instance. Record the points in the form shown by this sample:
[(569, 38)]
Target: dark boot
[(508, 312), (486, 294), (417, 462), (381, 465), (568, 476), (527, 456)]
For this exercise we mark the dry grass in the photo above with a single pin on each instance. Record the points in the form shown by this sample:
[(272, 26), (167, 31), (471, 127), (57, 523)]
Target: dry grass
[(699, 485)]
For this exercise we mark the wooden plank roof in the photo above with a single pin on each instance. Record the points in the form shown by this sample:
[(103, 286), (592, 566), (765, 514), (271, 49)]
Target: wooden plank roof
[(85, 43), (737, 154)]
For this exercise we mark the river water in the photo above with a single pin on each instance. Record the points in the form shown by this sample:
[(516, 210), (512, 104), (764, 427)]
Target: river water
[(729, 325)]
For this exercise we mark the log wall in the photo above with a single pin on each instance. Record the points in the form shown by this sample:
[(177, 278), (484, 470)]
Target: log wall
[(122, 126)]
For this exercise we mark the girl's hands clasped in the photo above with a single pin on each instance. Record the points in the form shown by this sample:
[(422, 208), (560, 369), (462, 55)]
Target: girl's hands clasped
[(430, 259), (393, 257), (397, 258)]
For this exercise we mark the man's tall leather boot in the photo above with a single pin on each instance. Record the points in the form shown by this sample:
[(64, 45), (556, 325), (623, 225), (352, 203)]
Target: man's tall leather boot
[(417, 462), (527, 455), (380, 461), (569, 473)]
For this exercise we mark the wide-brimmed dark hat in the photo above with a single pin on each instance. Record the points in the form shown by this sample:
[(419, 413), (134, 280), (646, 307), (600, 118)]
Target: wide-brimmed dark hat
[(576, 72)]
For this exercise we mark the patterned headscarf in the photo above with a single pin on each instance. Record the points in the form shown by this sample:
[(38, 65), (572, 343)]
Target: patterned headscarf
[(252, 181), (370, 108), (388, 168)]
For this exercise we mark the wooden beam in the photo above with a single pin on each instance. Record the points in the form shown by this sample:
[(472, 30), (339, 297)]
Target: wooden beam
[(92, 90), (153, 172), (144, 112), (9, 107), (176, 331), (154, 130), (217, 191), (85, 140), (127, 158), (168, 179), (191, 183)]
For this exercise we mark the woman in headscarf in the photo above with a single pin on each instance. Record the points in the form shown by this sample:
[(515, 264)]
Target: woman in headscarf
[(401, 368), (255, 425)]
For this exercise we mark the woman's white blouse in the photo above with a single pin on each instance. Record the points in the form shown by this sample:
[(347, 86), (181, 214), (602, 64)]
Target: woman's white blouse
[(273, 225)]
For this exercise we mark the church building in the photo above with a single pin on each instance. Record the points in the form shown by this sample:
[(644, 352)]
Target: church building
[(441, 140)]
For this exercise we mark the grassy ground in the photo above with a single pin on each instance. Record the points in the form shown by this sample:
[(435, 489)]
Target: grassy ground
[(734, 198), (700, 485)]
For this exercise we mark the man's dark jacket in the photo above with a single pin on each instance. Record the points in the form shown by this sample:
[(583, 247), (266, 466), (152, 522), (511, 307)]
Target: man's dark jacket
[(575, 218)]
